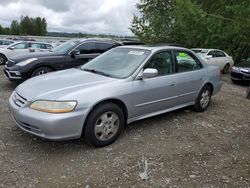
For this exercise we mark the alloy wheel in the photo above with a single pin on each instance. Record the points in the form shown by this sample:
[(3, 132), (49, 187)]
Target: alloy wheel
[(205, 98), (106, 126)]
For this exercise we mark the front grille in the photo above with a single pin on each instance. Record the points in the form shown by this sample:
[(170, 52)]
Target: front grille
[(236, 75), (19, 100)]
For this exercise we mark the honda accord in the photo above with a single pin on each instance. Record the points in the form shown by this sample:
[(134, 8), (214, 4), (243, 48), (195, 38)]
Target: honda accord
[(121, 86)]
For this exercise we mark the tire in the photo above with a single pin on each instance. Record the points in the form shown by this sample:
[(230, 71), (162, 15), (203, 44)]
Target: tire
[(203, 100), (40, 71), (2, 59), (226, 69), (100, 130)]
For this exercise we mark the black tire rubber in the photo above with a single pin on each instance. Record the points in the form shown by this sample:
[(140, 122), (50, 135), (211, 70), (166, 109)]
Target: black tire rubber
[(197, 107), (88, 131), (226, 68), (2, 56), (37, 70)]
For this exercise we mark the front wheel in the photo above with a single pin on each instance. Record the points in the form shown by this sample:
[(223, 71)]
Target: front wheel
[(104, 125), (2, 59), (203, 100), (40, 71), (226, 69)]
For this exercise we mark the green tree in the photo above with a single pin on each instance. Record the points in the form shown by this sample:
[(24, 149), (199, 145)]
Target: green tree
[(15, 27), (196, 23), (154, 24), (44, 27)]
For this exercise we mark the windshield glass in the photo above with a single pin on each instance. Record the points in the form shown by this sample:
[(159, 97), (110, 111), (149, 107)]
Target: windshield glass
[(65, 47), (118, 62)]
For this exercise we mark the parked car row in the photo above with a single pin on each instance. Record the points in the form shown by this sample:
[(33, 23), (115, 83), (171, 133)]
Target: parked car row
[(106, 86), (239, 71)]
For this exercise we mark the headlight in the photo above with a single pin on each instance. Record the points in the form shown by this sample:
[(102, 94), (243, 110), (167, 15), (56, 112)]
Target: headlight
[(235, 68), (54, 106), (26, 62)]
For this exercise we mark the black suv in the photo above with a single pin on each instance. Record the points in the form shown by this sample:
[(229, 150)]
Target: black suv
[(68, 55)]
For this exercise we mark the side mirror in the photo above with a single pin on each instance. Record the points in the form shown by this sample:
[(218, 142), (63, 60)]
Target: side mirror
[(76, 52), (209, 56), (11, 48), (148, 73)]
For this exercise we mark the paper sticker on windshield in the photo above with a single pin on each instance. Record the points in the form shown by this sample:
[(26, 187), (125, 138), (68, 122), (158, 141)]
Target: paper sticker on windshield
[(136, 53)]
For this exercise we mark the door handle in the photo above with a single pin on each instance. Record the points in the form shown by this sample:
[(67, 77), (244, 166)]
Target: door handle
[(173, 84)]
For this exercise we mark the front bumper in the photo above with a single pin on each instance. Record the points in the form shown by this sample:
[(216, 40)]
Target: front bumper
[(241, 76), (64, 126), (16, 73), (12, 75)]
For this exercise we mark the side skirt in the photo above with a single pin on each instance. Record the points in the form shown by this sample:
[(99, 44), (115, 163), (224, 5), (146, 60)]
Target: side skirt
[(159, 112)]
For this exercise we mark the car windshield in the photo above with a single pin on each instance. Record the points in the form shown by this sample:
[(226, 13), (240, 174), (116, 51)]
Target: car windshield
[(65, 47), (13, 44), (117, 63)]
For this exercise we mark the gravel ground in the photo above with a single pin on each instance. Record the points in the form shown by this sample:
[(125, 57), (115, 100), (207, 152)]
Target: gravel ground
[(177, 149)]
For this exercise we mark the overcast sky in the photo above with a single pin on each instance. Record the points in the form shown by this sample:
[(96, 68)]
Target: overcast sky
[(91, 16)]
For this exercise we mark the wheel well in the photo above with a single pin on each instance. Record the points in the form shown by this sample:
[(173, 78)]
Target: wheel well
[(3, 56), (40, 67), (115, 101), (211, 86)]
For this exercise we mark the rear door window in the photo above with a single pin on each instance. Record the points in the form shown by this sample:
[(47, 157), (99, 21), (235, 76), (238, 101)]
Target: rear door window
[(220, 54), (185, 61), (87, 48), (103, 47)]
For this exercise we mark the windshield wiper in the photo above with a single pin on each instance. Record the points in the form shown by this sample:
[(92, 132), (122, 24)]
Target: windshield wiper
[(97, 72)]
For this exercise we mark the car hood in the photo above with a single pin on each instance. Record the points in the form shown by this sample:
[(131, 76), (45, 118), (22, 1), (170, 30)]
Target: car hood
[(29, 55), (60, 85), (243, 65)]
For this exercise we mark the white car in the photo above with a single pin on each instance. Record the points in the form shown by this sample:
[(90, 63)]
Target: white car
[(215, 57)]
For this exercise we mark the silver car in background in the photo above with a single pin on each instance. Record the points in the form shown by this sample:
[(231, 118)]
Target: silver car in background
[(121, 86)]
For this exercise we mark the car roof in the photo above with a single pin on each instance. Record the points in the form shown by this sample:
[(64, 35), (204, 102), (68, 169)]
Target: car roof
[(94, 40), (154, 47), (206, 49)]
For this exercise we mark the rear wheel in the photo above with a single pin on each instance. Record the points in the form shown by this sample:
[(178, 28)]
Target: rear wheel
[(203, 100), (2, 59), (104, 125), (40, 71), (226, 68)]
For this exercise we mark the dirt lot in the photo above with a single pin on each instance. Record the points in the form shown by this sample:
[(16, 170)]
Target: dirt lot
[(182, 149)]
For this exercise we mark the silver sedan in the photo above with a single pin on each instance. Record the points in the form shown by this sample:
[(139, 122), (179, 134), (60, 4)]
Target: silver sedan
[(121, 86)]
